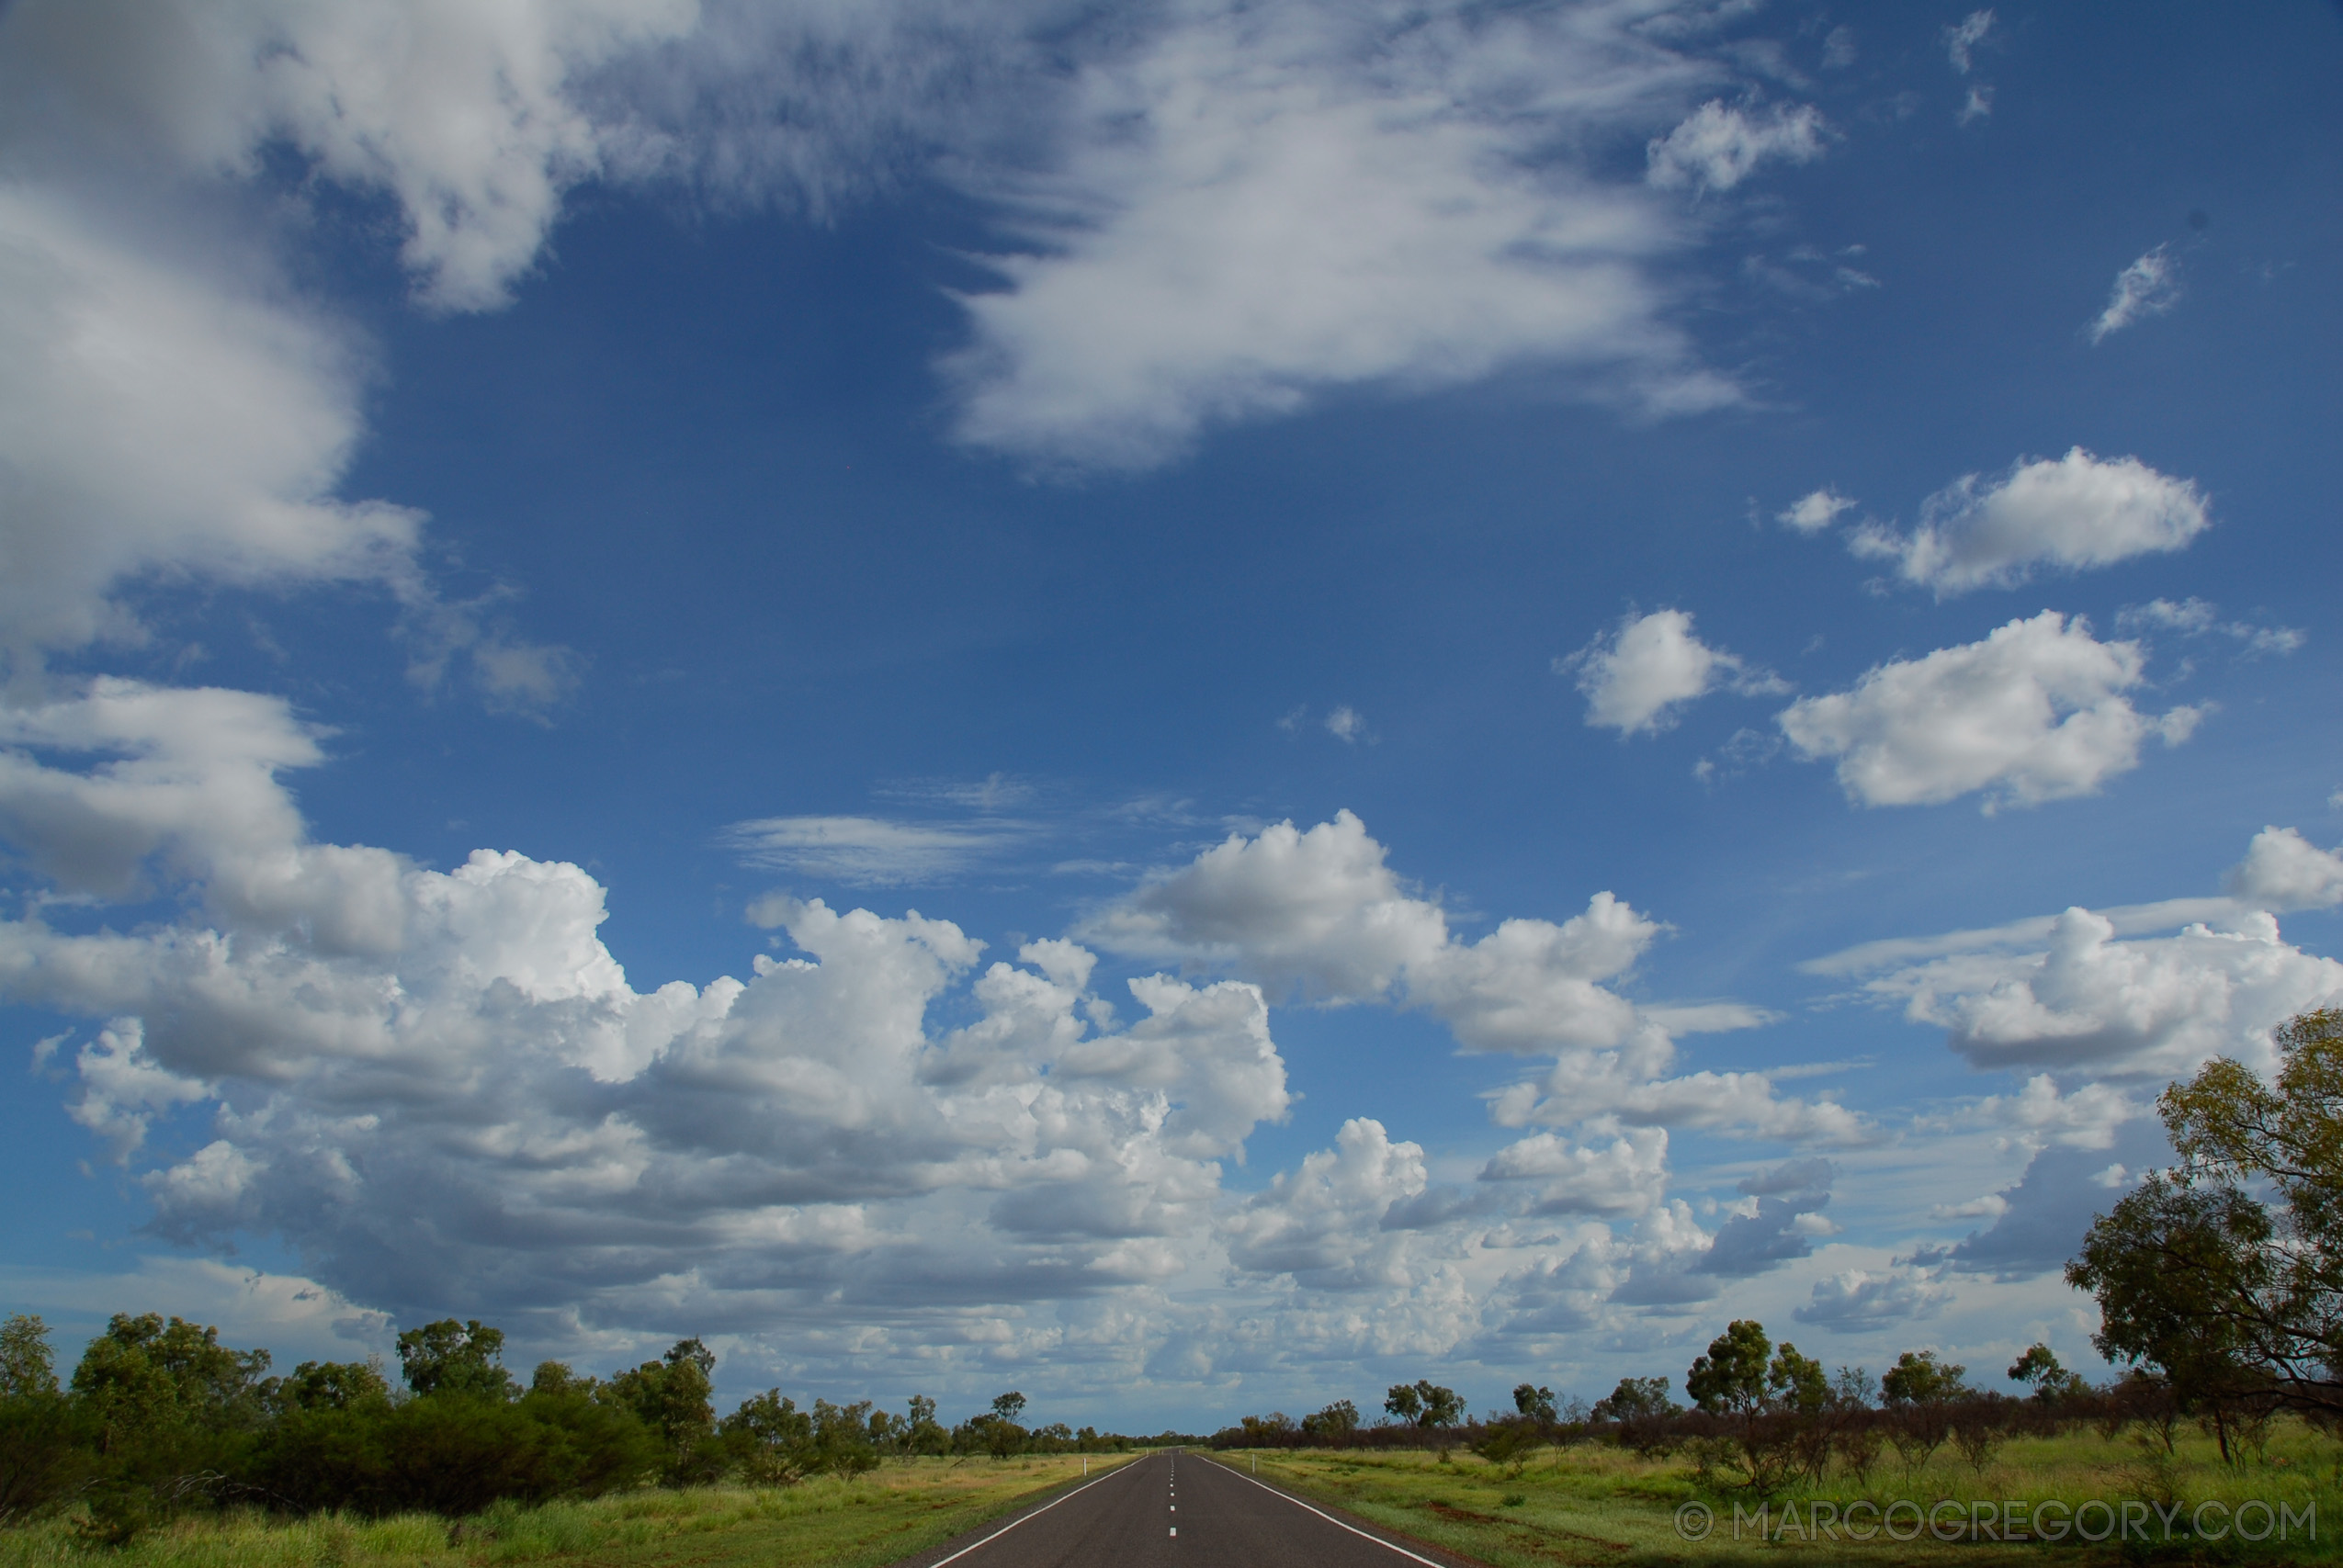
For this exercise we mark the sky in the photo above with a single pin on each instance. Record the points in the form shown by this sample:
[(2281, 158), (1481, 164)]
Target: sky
[(1188, 705)]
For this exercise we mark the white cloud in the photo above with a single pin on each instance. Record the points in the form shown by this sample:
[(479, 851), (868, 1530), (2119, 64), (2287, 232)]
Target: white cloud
[(1815, 511), (1720, 146), (154, 423), (2282, 870), (1319, 914), (2194, 617), (1858, 1298), (1323, 1223), (296, 1318), (2034, 712), (2074, 513), (1637, 678), (2149, 287), (1344, 723), (442, 1089), (1976, 105), (2088, 1001), (1962, 38), (1624, 1177), (871, 852), (466, 116), (1255, 203)]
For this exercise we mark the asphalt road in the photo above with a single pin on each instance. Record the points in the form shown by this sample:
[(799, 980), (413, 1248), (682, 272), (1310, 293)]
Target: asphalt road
[(1176, 1510)]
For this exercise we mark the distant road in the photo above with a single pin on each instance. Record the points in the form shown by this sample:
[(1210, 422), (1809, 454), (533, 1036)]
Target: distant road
[(1177, 1510)]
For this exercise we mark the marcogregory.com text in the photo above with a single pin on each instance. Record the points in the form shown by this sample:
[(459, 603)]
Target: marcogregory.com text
[(1949, 1518)]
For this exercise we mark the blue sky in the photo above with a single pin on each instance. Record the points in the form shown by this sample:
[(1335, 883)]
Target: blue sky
[(1188, 707)]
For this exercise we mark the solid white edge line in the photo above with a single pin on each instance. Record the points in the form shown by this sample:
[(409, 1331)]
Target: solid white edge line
[(1330, 1518), (1020, 1518)]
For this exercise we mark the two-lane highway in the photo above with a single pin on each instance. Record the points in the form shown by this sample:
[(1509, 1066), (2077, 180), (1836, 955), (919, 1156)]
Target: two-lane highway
[(1176, 1510)]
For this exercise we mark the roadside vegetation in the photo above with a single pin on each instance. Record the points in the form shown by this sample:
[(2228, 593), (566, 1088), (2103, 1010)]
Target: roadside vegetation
[(908, 1505), (165, 1445)]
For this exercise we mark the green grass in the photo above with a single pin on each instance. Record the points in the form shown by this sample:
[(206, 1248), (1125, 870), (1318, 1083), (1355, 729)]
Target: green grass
[(905, 1507), (1592, 1504)]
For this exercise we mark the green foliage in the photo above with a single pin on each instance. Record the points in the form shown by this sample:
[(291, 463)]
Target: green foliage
[(332, 1385), (1335, 1423), (453, 1358), (1730, 1379), (1424, 1404), (2235, 1301), (27, 1367), (923, 1433), (1796, 1382), (451, 1453), (142, 1381), (1918, 1378), (2052, 1382), (1534, 1402), (1008, 1406), (44, 1456), (671, 1396), (1635, 1399)]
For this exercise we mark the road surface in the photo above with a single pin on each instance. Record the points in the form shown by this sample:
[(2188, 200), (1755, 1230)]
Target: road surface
[(1177, 1510)]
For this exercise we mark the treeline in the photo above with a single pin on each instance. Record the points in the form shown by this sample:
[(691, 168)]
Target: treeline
[(2219, 1283), (1763, 1416), (159, 1417)]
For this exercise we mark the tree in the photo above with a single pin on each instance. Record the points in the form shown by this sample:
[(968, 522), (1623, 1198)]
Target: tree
[(1536, 1404), (1920, 1392), (1918, 1378), (42, 1456), (458, 1358), (1424, 1404), (142, 1379), (332, 1385), (671, 1396), (1008, 1406), (2236, 1303), (1730, 1379), (2050, 1382), (27, 1369), (923, 1433), (1335, 1422), (1773, 1401), (1635, 1399)]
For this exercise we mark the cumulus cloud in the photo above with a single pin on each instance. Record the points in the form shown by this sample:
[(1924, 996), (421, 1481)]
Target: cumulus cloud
[(442, 1089), (2036, 711), (1319, 915), (2147, 1008), (1252, 204), (1720, 145), (1786, 1216), (2069, 512), (154, 423), (1321, 1223), (1623, 1179), (2045, 1214), (1815, 511), (2283, 871), (1639, 677), (1858, 1299), (2068, 994), (2149, 287)]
